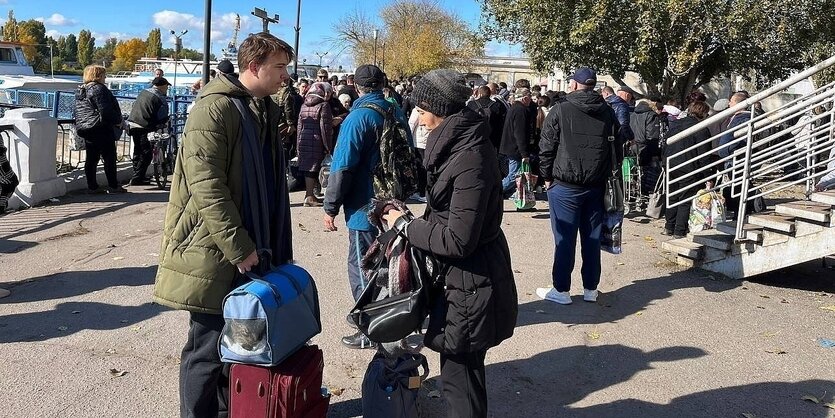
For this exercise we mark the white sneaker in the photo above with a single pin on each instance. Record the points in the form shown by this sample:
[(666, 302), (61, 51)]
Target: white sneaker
[(551, 294), (590, 295)]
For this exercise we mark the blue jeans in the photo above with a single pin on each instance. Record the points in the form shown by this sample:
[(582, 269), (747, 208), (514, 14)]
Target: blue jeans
[(509, 182), (358, 243), (576, 209)]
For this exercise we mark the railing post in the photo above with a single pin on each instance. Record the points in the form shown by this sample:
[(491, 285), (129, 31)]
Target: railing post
[(746, 172)]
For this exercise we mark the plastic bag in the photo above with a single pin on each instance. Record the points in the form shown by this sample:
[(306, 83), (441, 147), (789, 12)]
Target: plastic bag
[(611, 239), (706, 211), (525, 198)]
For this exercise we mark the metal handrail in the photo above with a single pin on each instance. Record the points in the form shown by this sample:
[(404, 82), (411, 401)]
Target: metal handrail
[(768, 146)]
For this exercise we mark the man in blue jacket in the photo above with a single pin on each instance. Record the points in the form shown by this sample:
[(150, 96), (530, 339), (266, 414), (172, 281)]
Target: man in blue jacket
[(622, 111), (350, 184)]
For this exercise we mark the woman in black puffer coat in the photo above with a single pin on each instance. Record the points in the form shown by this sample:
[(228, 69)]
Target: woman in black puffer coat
[(98, 120), (462, 228)]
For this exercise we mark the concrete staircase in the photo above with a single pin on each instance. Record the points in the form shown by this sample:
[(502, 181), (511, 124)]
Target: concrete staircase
[(794, 233)]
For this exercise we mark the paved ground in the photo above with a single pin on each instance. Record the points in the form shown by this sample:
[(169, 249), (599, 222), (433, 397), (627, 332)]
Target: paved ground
[(659, 343)]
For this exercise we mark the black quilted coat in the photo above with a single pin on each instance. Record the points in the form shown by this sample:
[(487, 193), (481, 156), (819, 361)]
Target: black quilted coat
[(97, 112), (462, 227)]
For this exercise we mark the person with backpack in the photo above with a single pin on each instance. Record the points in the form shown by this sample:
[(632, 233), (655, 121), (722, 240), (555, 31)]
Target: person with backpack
[(462, 227), (212, 219), (492, 111), (98, 120), (350, 184)]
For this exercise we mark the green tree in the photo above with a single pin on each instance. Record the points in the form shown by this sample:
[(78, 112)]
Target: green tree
[(10, 28), (59, 46), (417, 36), (70, 50), (154, 44), (105, 54), (86, 46), (674, 45), (33, 33)]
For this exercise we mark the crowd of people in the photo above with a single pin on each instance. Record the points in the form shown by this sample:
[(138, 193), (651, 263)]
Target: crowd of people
[(473, 142)]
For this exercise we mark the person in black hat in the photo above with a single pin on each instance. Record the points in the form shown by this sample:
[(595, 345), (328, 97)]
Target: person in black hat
[(462, 223), (581, 129), (225, 67), (149, 113), (350, 182)]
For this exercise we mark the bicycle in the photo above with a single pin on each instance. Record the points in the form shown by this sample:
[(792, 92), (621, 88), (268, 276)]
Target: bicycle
[(163, 157)]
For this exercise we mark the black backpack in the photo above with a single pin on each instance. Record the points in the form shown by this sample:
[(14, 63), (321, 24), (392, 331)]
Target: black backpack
[(397, 176), (484, 111)]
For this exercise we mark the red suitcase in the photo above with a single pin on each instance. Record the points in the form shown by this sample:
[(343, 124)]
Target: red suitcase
[(291, 389)]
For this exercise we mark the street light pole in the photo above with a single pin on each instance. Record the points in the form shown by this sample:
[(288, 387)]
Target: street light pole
[(320, 57), (296, 46), (376, 34), (177, 44), (207, 42), (265, 19)]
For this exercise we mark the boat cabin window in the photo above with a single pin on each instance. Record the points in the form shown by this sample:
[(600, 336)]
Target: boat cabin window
[(7, 55)]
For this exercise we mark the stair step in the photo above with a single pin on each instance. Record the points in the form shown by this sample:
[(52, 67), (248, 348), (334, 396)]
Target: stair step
[(773, 221), (813, 211), (752, 232), (714, 239), (684, 247), (824, 197)]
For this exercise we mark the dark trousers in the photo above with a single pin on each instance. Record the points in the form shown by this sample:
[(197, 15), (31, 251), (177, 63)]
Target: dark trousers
[(142, 153), (358, 243), (573, 210), (464, 384), (677, 218), (101, 149), (204, 380)]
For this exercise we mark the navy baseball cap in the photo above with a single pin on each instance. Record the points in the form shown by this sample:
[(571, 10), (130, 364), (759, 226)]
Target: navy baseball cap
[(585, 76)]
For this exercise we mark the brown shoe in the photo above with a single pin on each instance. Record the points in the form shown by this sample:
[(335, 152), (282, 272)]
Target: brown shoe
[(312, 202)]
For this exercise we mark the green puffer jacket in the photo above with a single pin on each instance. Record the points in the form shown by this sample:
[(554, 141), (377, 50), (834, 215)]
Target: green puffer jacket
[(204, 237)]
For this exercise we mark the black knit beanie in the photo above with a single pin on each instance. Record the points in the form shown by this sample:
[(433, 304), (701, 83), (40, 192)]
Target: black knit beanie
[(441, 92)]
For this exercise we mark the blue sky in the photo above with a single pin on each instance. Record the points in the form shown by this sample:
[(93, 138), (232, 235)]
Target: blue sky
[(135, 18)]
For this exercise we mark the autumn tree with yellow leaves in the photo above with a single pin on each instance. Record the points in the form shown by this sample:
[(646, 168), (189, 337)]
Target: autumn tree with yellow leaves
[(127, 53), (416, 36)]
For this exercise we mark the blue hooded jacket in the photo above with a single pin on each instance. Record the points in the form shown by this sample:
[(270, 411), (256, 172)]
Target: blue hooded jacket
[(356, 155)]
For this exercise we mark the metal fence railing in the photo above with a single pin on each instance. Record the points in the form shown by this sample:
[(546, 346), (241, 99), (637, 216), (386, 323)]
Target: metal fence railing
[(784, 147), (62, 105)]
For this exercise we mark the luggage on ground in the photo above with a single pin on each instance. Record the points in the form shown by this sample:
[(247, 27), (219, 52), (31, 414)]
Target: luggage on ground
[(292, 389), (655, 205), (707, 210), (390, 387)]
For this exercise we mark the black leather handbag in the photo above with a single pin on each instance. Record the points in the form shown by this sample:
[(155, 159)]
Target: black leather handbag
[(391, 318)]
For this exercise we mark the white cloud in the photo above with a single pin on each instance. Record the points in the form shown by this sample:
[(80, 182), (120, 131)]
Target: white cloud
[(57, 20), (101, 36), (54, 34), (169, 20)]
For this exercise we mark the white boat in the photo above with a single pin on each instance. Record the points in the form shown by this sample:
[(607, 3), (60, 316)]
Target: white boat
[(17, 74)]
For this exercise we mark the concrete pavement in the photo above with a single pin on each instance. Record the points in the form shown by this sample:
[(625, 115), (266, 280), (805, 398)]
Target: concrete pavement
[(660, 342)]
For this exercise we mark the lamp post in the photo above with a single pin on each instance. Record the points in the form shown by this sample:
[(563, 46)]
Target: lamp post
[(207, 42), (376, 35), (265, 18), (298, 29), (178, 43), (320, 57)]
